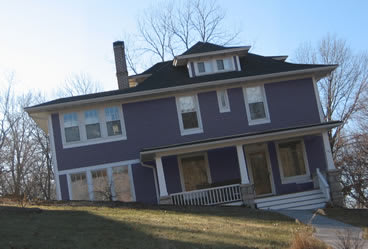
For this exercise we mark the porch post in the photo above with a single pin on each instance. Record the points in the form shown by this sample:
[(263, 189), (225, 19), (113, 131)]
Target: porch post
[(246, 189), (161, 177), (329, 159), (332, 174), (242, 165)]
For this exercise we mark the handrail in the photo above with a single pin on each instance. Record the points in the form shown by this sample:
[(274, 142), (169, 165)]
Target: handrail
[(323, 185)]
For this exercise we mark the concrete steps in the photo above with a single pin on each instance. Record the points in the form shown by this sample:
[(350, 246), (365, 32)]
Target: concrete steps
[(312, 199)]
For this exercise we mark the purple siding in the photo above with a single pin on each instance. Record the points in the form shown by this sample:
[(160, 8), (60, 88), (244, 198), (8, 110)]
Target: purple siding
[(223, 164), (64, 187), (144, 185), (172, 175)]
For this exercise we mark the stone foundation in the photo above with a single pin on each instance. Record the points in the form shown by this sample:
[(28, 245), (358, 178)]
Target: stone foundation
[(337, 198), (248, 195), (165, 200)]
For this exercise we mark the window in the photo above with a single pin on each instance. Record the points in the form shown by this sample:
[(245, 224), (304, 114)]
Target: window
[(189, 116), (122, 183), (256, 105), (220, 65), (194, 172), (292, 160), (71, 127), (223, 100), (92, 124), (79, 186), (201, 67), (113, 124), (101, 185)]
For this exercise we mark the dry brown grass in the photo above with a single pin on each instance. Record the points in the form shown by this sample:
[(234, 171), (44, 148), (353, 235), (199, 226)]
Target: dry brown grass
[(307, 241)]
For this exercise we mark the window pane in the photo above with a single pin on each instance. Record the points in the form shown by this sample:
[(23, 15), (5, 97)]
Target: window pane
[(227, 64), (223, 99), (257, 111), (113, 128), (101, 186), (93, 131), (220, 64), (190, 120), (254, 94), (72, 134), (292, 158), (201, 67), (112, 113), (187, 104), (79, 186), (122, 183), (70, 119), (91, 117)]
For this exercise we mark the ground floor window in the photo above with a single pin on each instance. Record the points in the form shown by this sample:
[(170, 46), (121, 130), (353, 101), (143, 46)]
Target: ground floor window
[(194, 172), (122, 183), (292, 159), (106, 184), (79, 186)]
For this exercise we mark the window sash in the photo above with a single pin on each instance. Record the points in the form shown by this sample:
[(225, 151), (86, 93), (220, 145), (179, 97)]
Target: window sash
[(93, 131), (70, 119), (72, 134), (220, 65), (91, 117)]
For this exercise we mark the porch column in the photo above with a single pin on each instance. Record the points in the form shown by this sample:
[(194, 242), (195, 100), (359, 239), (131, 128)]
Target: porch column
[(246, 189), (242, 165), (161, 177), (332, 173), (329, 158)]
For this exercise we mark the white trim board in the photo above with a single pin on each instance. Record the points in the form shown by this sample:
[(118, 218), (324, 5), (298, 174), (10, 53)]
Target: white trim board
[(53, 158), (99, 166)]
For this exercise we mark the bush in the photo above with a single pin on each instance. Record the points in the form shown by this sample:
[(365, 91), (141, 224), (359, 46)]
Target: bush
[(307, 241)]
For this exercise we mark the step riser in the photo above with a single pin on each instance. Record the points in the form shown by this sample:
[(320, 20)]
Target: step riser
[(288, 196), (296, 205), (290, 200)]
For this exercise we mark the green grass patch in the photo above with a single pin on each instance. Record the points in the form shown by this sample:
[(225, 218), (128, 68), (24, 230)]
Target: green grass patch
[(355, 217), (90, 226)]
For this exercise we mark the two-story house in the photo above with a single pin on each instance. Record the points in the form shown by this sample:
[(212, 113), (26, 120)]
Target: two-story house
[(215, 125)]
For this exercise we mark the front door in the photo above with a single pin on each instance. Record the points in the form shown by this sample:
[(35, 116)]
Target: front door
[(194, 172), (259, 168)]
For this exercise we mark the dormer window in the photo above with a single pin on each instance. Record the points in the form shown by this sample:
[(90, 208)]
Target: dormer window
[(218, 65)]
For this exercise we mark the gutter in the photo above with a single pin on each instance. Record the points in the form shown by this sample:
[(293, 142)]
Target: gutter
[(180, 88)]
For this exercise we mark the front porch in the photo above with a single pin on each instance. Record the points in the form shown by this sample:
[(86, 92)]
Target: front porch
[(252, 172)]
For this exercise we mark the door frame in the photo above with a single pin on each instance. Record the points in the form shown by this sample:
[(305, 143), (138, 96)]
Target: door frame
[(205, 155), (258, 147)]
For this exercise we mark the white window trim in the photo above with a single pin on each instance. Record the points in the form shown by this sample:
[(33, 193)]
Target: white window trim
[(221, 108), (108, 168), (205, 155), (82, 127), (257, 121), (213, 64), (293, 179), (180, 118)]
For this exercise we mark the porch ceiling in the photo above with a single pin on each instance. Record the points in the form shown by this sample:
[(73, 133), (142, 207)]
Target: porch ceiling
[(149, 154)]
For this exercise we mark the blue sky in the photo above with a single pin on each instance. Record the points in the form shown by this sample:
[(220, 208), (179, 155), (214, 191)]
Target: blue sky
[(45, 41)]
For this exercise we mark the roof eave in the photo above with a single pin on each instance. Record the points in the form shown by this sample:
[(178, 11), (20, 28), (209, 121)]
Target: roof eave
[(317, 72)]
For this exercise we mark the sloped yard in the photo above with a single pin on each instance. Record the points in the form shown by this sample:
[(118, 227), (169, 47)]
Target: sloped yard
[(135, 226)]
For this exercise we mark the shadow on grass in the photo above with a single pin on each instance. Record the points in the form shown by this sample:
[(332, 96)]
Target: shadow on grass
[(23, 228)]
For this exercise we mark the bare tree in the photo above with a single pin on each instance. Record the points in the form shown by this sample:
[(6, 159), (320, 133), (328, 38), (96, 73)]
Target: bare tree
[(169, 28), (78, 84), (341, 92)]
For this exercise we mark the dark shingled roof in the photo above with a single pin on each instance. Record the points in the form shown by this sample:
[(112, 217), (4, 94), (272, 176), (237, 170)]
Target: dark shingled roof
[(165, 75)]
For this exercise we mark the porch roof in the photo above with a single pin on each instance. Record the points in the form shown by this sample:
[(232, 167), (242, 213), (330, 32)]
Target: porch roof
[(148, 154)]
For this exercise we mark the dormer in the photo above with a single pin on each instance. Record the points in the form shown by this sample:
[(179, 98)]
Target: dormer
[(207, 58)]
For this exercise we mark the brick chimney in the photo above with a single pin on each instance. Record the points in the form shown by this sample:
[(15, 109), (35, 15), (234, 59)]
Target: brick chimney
[(120, 63)]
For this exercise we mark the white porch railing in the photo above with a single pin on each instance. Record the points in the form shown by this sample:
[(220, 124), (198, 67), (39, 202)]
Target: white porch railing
[(323, 185), (209, 196)]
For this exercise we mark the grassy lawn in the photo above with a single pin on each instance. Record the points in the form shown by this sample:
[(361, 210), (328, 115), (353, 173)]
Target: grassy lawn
[(90, 226), (355, 217)]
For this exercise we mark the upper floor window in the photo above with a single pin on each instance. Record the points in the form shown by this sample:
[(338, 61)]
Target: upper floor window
[(223, 100), (256, 105), (113, 123), (71, 127), (92, 124), (189, 116)]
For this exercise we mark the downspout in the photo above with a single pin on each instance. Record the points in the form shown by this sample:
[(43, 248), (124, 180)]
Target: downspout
[(154, 178)]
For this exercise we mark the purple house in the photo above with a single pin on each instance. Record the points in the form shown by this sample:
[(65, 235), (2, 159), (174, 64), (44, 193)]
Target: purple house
[(214, 126)]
